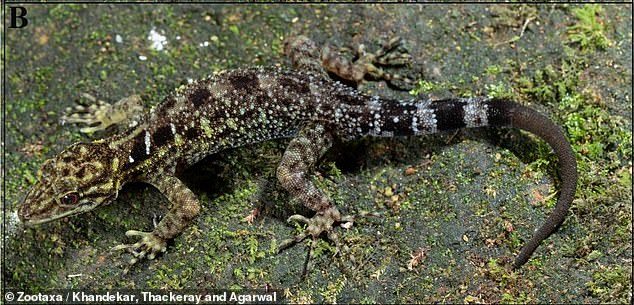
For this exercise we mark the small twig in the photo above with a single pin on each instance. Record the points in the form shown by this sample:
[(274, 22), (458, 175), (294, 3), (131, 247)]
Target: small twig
[(529, 19), (516, 38)]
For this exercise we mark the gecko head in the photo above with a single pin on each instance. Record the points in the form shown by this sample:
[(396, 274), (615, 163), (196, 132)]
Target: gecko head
[(79, 179)]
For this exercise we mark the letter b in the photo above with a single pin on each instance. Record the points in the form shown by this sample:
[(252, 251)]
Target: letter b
[(18, 12)]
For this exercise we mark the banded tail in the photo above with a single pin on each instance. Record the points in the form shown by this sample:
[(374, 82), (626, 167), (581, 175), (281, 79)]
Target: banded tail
[(393, 118)]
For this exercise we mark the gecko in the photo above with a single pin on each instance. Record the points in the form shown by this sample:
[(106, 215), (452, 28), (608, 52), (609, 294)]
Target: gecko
[(243, 106)]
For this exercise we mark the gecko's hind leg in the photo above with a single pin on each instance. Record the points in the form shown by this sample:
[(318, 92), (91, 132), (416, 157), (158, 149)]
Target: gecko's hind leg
[(307, 56), (369, 64), (293, 172)]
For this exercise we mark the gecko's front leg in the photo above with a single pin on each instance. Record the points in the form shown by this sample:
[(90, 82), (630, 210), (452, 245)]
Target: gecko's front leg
[(185, 207), (100, 115)]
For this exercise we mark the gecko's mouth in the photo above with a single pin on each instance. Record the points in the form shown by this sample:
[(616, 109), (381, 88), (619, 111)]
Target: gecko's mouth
[(29, 220), (35, 222)]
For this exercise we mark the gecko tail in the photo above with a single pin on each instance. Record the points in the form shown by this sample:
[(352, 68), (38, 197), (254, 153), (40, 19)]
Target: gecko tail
[(389, 118), (503, 112)]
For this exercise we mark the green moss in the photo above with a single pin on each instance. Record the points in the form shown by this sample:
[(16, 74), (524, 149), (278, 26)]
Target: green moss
[(168, 277), (493, 70), (610, 284), (592, 130), (550, 84), (521, 298), (424, 86), (589, 30), (331, 292), (67, 12), (334, 171), (499, 90), (234, 29)]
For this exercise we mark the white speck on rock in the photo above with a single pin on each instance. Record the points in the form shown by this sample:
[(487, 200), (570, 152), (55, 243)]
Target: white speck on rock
[(158, 41)]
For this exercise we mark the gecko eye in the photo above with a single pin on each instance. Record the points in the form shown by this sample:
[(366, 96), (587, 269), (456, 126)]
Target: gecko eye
[(69, 199)]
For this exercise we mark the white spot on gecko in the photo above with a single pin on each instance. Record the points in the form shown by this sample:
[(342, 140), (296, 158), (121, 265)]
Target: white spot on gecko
[(414, 124), (475, 113), (374, 103), (427, 118), (147, 142)]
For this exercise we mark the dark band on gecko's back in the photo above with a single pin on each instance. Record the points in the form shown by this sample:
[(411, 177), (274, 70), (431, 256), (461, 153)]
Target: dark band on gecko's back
[(244, 106)]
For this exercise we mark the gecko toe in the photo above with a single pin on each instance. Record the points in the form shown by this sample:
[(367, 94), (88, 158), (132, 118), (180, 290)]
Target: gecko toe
[(148, 247)]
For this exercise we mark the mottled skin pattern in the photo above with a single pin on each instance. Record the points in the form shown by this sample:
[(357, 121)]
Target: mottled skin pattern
[(246, 106)]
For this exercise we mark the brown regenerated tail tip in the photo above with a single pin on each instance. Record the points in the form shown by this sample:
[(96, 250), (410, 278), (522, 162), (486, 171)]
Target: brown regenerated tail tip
[(519, 116)]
